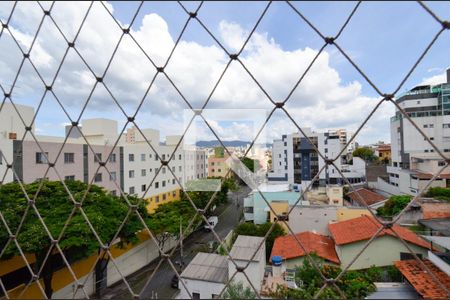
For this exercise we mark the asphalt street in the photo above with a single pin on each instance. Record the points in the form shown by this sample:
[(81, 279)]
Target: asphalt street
[(160, 285)]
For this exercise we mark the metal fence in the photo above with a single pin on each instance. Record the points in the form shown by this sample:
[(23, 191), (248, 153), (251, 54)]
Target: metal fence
[(234, 58)]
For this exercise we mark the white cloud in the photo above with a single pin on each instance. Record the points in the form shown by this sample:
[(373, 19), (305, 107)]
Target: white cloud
[(321, 101), (433, 80)]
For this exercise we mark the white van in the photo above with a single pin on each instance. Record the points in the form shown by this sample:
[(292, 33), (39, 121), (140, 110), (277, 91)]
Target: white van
[(212, 222)]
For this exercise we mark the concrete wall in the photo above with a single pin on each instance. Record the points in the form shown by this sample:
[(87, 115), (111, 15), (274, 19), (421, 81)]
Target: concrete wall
[(206, 289), (254, 271), (312, 218), (383, 251)]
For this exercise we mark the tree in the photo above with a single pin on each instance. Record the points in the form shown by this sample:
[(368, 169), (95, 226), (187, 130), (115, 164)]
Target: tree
[(165, 221), (252, 229), (251, 164), (365, 153), (237, 291), (353, 284), (393, 205), (104, 211), (439, 193)]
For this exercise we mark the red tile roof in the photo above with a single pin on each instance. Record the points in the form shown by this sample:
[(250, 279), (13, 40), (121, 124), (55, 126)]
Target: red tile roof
[(287, 246), (364, 227), (368, 196), (423, 175), (435, 210), (422, 281)]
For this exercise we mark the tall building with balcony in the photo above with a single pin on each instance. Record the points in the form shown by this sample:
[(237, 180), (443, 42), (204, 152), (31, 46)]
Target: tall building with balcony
[(414, 161), (296, 161)]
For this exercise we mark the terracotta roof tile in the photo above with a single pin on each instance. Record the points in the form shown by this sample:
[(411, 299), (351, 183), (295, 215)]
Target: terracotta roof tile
[(422, 281), (364, 227), (287, 246), (368, 196), (435, 210)]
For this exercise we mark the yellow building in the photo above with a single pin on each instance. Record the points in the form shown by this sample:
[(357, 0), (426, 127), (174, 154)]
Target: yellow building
[(345, 213)]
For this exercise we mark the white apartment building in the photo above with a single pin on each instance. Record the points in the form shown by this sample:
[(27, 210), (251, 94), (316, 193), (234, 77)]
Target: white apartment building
[(11, 129), (414, 161), (295, 161)]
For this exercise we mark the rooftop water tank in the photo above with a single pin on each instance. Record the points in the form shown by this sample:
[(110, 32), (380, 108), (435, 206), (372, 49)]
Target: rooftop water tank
[(277, 260)]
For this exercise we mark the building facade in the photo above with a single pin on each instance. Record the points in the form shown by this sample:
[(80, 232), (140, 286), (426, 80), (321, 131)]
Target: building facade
[(414, 161), (296, 161)]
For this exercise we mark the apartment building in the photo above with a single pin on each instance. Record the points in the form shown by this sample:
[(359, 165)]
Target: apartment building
[(130, 165), (217, 166), (296, 161), (414, 161)]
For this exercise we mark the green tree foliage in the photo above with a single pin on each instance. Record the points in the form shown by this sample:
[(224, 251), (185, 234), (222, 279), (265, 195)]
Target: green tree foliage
[(165, 221), (439, 193), (365, 153), (354, 284), (251, 164), (105, 212), (252, 229), (201, 198), (394, 205), (237, 291)]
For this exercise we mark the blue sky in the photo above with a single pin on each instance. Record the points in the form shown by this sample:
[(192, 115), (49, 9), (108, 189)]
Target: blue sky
[(383, 38)]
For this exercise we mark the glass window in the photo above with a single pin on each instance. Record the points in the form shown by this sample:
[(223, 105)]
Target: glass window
[(163, 170), (179, 156), (69, 158), (97, 157), (142, 157), (163, 183), (157, 199), (112, 176), (143, 172), (41, 157), (164, 196), (156, 185), (131, 190), (112, 158), (70, 177), (98, 177), (143, 188), (131, 174), (130, 157)]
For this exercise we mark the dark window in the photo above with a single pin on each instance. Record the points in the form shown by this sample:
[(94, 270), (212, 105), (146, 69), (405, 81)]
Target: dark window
[(131, 173), (130, 157), (131, 189), (164, 196), (98, 177), (41, 157), (142, 157), (70, 177), (69, 158), (143, 188), (195, 295), (112, 158), (97, 157), (156, 185), (408, 255)]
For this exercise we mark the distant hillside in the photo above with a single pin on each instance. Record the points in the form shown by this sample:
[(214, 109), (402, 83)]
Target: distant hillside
[(209, 144)]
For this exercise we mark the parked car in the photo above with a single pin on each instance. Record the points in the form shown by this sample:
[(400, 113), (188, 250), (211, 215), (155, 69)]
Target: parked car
[(212, 222), (174, 282)]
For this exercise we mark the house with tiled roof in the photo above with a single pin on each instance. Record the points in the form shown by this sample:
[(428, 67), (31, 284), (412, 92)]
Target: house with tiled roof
[(365, 197), (351, 236), (288, 247)]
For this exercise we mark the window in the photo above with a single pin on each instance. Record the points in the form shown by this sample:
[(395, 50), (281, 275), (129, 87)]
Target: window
[(156, 185), (173, 181), (179, 155), (431, 126), (219, 170), (131, 190), (41, 157), (130, 157), (150, 155), (179, 168), (143, 172), (69, 158), (112, 158), (70, 177), (407, 256), (1, 158), (163, 183), (212, 170), (143, 188), (142, 157), (98, 177), (447, 125), (425, 125), (173, 169), (426, 150), (212, 163), (151, 170), (174, 194), (112, 176), (157, 199), (163, 157), (131, 174), (164, 170), (164, 196), (441, 163), (114, 193), (97, 157)]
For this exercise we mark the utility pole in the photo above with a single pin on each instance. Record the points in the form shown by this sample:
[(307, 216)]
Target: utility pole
[(181, 245)]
